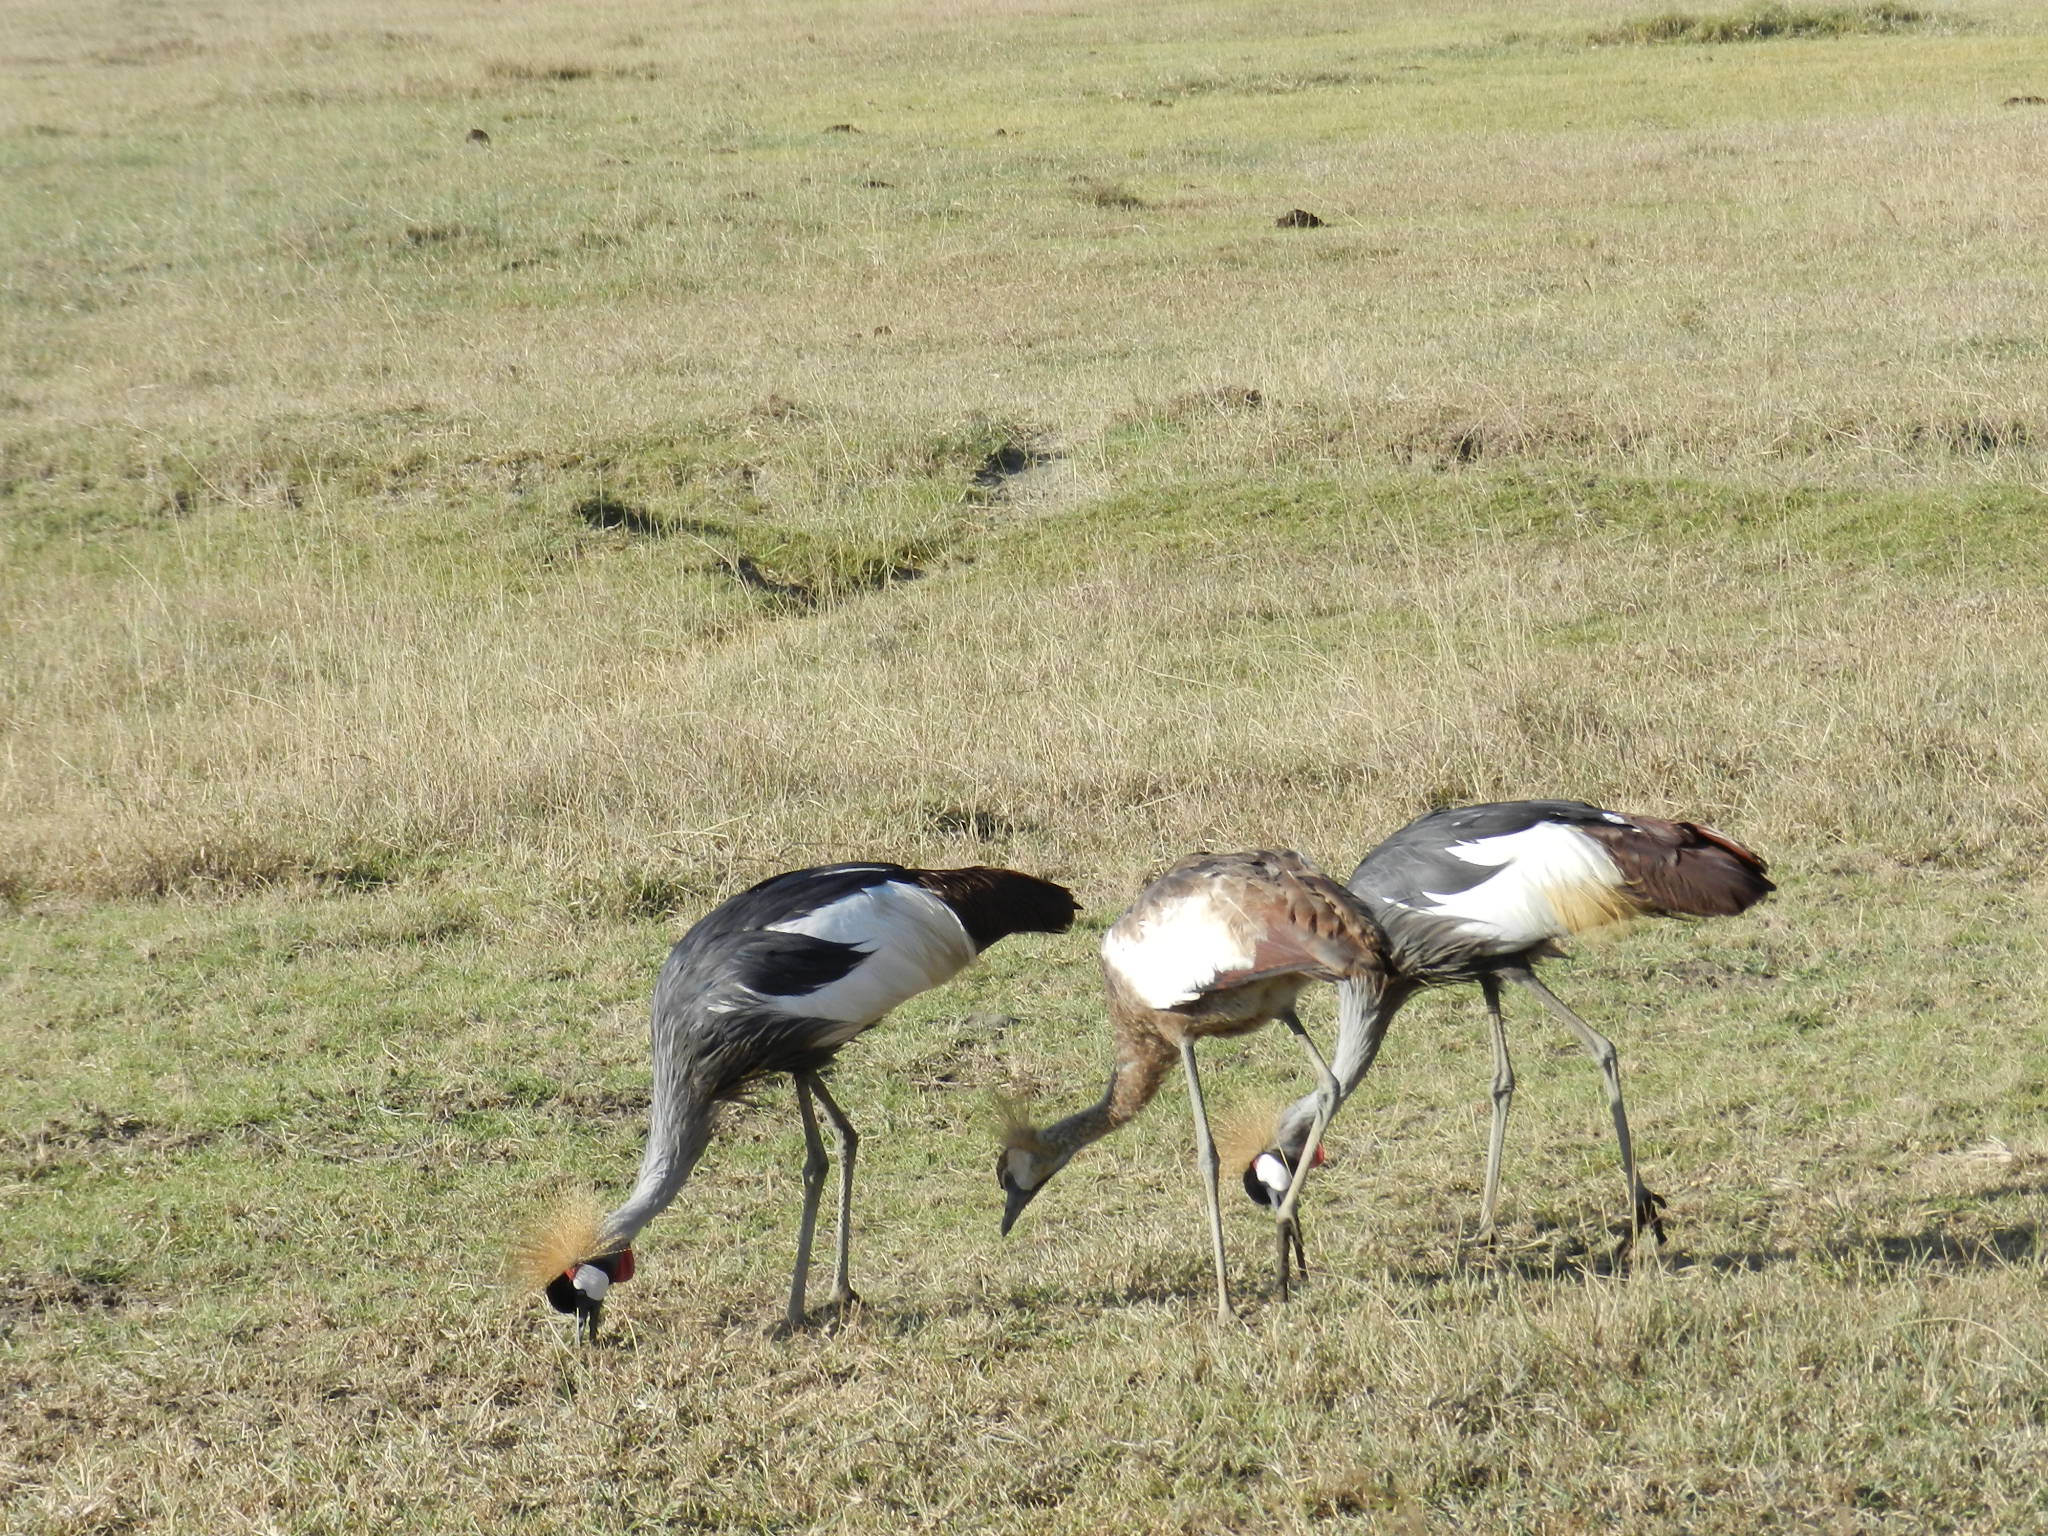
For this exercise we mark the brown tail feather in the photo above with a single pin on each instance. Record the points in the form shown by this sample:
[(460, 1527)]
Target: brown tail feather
[(1721, 839), (1682, 869)]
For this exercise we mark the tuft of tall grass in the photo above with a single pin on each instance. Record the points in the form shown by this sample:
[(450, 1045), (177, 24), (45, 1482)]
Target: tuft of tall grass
[(1770, 19)]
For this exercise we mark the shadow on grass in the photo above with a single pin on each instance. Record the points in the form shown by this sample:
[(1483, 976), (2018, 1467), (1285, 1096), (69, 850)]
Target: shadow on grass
[(1561, 1256), (1917, 1251)]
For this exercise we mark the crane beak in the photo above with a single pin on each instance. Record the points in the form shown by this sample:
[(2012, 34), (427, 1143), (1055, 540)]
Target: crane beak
[(587, 1319), (1016, 1197)]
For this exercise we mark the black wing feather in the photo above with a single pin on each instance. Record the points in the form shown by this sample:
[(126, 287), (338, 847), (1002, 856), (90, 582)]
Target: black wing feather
[(791, 964)]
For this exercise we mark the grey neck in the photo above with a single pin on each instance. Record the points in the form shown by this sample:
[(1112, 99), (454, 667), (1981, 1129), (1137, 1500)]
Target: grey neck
[(677, 1135), (1364, 1010)]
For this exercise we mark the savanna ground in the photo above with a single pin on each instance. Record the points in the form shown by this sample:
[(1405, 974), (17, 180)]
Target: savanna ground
[(436, 570)]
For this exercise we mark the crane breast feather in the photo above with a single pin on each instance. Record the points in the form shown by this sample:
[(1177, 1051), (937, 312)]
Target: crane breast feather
[(906, 941)]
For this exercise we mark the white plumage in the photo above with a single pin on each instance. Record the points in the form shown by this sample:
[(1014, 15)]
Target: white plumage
[(1515, 906), (1175, 952), (913, 942)]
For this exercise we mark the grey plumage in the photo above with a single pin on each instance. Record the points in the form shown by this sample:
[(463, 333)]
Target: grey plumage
[(1480, 894), (777, 980)]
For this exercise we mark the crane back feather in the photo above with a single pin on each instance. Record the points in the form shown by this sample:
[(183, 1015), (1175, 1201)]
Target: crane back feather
[(1585, 908), (1214, 923)]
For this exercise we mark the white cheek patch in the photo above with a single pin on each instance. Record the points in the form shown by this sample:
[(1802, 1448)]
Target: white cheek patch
[(1272, 1173), (591, 1281)]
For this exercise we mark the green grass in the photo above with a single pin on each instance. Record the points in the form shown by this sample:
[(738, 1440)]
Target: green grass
[(261, 1216), (1758, 23), (433, 575)]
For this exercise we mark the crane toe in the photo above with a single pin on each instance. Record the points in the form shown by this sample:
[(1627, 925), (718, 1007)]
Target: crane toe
[(1650, 1208)]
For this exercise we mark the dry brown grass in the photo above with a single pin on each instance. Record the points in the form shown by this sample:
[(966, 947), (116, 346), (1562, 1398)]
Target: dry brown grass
[(1640, 259), (1310, 663)]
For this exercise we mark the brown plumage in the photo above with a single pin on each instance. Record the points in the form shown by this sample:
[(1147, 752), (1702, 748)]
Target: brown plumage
[(993, 902), (1216, 946), (1681, 869)]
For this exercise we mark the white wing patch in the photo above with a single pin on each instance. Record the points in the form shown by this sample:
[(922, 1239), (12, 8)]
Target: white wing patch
[(1542, 868), (913, 941), (1177, 952)]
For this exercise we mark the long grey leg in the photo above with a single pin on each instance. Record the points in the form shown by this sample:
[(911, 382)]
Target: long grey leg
[(814, 1186), (1205, 1156), (1503, 1097), (1643, 1206), (1287, 1233), (849, 1145)]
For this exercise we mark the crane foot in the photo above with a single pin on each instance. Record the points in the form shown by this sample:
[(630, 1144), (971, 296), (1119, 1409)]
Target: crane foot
[(1648, 1216)]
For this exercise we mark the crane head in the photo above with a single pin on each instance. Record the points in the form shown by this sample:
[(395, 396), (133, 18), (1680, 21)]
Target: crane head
[(1020, 1181), (565, 1255), (1268, 1175), (581, 1288), (1026, 1162)]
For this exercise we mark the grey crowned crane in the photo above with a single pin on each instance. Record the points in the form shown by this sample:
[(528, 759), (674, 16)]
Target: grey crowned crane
[(775, 980), (1481, 893), (1216, 946)]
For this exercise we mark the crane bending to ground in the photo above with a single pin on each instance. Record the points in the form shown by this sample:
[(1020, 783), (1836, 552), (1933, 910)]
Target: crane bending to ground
[(1216, 946), (775, 980), (1481, 893)]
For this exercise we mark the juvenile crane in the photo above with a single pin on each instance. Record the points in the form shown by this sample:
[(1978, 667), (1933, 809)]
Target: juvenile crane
[(1481, 893), (775, 980), (1218, 945)]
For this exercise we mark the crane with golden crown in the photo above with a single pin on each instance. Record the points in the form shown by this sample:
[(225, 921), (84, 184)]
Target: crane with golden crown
[(775, 981), (1480, 893), (1218, 945)]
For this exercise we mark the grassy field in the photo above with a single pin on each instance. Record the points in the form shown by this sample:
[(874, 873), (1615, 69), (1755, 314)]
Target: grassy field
[(434, 570)]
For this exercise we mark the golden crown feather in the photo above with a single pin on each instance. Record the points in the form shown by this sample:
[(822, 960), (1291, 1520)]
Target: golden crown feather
[(560, 1236), (1244, 1130), (1013, 1123)]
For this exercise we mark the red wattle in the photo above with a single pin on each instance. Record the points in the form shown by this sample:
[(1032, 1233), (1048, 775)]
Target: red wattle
[(1319, 1159)]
